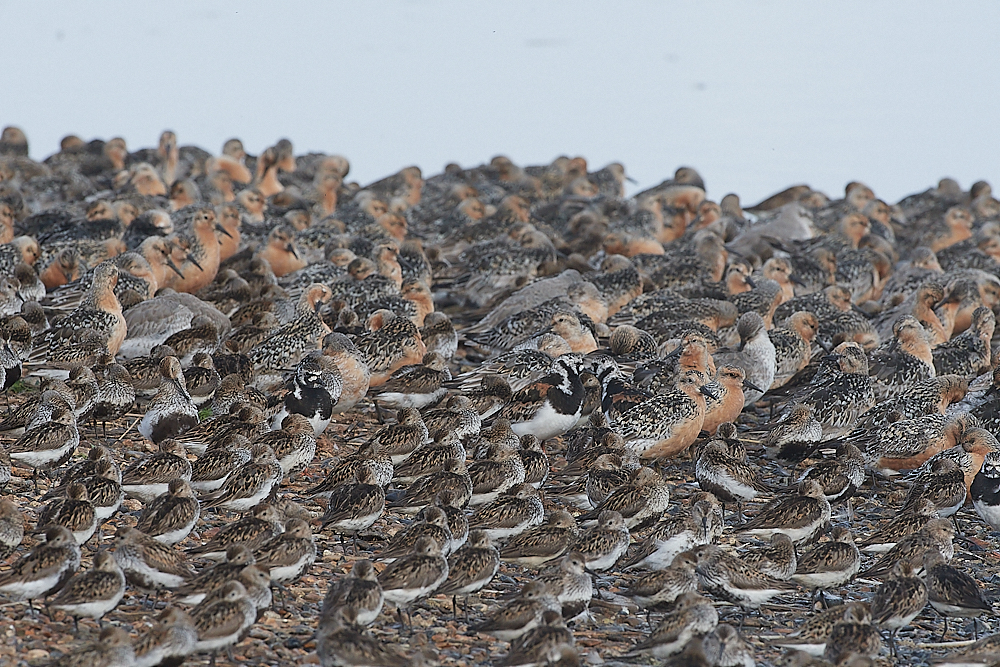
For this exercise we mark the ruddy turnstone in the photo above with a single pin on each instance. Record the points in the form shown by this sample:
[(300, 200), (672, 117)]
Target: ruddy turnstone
[(171, 517), (92, 593), (549, 406), (312, 393), (513, 512), (985, 491), (45, 569)]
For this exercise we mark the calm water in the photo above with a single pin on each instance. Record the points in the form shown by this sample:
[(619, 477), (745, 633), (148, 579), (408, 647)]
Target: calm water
[(756, 95)]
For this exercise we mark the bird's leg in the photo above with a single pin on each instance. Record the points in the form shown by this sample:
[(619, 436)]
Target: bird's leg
[(945, 631), (229, 654), (454, 607), (76, 625), (212, 661)]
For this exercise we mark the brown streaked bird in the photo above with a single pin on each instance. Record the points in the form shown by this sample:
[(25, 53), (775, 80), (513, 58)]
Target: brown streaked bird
[(728, 478), (521, 614), (113, 648), (666, 585), (195, 590), (73, 511), (150, 476), (171, 411), (700, 524), (541, 544), (11, 527), (829, 564), (936, 534), (288, 555), (952, 592), (433, 522), (812, 634), (793, 342), (513, 512), (605, 543), (359, 591), (898, 600), (799, 516), (692, 617), (641, 501), (470, 569), (943, 483), (392, 343), (416, 575), (169, 518), (339, 643), (249, 484), (93, 593), (171, 639), (261, 524), (906, 523), (49, 445), (222, 623), (853, 634), (777, 560), (45, 569), (968, 354), (148, 564)]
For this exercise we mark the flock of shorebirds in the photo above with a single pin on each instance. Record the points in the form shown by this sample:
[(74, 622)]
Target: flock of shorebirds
[(550, 364)]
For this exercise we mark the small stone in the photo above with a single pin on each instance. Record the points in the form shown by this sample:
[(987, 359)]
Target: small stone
[(36, 654)]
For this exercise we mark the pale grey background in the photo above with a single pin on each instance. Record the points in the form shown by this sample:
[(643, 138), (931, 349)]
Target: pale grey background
[(756, 95)]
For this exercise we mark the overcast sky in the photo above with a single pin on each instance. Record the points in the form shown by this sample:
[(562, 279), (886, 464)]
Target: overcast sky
[(755, 95)]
